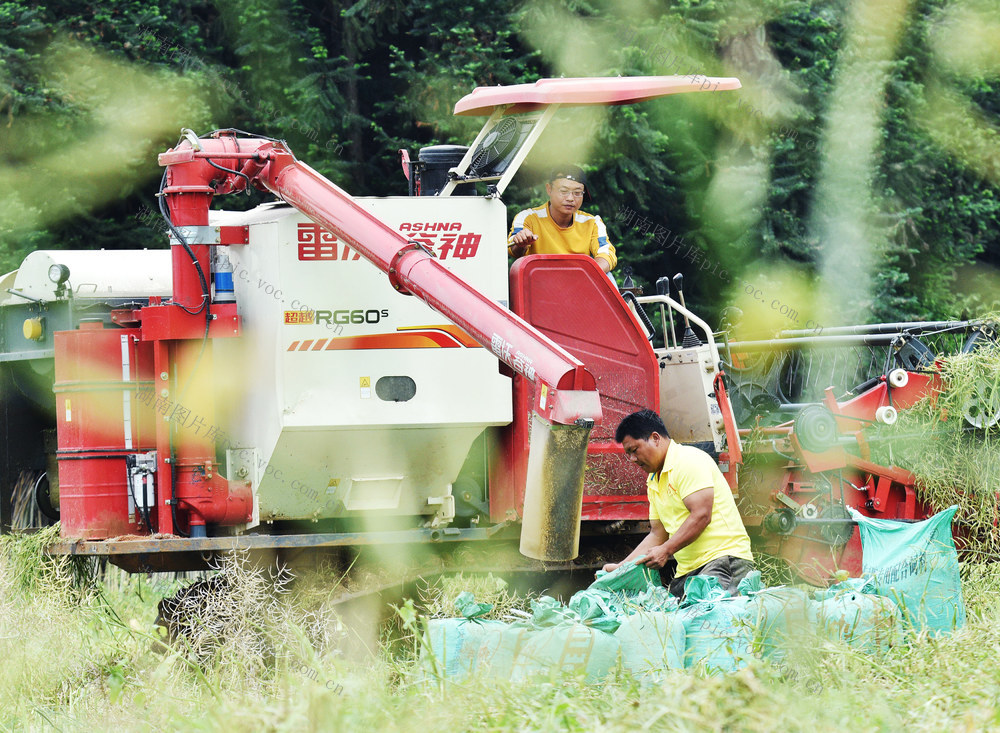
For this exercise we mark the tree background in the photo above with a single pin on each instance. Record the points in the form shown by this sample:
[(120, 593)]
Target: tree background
[(854, 178)]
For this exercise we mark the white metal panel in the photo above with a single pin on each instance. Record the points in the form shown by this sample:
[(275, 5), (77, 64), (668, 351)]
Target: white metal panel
[(312, 411), (688, 406), (126, 273)]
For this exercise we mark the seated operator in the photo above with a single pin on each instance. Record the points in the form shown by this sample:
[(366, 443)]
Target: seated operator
[(691, 508), (559, 227)]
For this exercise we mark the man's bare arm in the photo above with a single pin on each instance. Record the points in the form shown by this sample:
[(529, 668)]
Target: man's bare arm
[(699, 504)]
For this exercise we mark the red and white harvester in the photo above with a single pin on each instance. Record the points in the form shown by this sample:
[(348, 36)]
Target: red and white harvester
[(330, 371)]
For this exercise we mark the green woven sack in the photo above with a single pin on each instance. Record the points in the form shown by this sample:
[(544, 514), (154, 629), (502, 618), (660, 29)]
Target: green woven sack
[(915, 565), (629, 577)]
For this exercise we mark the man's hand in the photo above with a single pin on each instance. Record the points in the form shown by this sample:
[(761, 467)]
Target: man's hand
[(523, 238), (609, 567), (657, 557)]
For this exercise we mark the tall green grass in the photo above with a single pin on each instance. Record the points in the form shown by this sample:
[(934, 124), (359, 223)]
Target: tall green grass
[(80, 656)]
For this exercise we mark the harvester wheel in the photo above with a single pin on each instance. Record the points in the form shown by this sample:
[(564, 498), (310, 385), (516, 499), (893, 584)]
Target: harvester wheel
[(982, 411)]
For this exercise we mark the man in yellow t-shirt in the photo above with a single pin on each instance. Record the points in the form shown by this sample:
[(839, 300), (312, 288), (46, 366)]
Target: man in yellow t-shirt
[(692, 515), (559, 227)]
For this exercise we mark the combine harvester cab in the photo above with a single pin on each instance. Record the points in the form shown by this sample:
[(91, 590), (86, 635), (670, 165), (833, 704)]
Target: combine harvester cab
[(344, 371)]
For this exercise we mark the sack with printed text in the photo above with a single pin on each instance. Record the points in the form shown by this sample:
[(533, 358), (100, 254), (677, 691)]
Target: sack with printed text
[(915, 565)]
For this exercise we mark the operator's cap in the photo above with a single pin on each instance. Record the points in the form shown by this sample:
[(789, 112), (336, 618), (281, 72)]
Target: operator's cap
[(572, 173)]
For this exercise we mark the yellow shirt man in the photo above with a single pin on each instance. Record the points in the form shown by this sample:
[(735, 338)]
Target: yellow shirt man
[(686, 470), (559, 227), (693, 518)]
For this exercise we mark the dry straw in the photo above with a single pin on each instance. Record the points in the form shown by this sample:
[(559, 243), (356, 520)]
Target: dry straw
[(950, 441)]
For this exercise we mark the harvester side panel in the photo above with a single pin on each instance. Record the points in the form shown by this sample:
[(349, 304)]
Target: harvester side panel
[(101, 424), (691, 413)]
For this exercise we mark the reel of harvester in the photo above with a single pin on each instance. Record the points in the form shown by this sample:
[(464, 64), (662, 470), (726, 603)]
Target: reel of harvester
[(803, 474)]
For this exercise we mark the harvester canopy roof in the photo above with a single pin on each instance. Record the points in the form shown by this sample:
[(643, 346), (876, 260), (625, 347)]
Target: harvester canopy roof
[(583, 91)]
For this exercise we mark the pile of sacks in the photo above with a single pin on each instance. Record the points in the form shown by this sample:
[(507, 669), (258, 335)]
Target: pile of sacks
[(910, 584)]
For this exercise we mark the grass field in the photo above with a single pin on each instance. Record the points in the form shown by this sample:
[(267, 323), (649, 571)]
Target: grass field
[(81, 655)]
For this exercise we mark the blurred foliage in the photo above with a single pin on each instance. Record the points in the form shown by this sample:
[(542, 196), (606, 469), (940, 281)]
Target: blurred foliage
[(90, 91)]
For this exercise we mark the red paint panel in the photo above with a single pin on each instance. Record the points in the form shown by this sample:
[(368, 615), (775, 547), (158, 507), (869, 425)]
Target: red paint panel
[(94, 390), (569, 299), (234, 235), (615, 507), (167, 322)]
